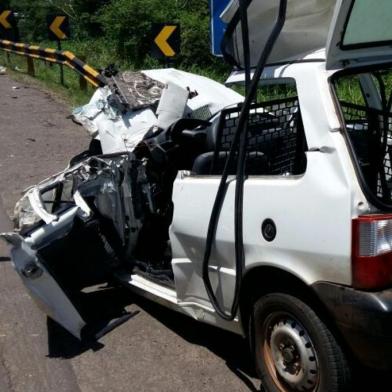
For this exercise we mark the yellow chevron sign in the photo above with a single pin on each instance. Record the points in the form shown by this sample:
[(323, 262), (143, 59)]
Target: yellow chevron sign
[(167, 39), (4, 19), (58, 27)]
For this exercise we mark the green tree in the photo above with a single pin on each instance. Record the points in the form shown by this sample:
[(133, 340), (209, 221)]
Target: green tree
[(120, 30), (127, 26)]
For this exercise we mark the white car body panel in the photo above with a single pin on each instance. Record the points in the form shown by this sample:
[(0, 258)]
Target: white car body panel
[(210, 93), (192, 308), (313, 212), (43, 288), (313, 243), (123, 132)]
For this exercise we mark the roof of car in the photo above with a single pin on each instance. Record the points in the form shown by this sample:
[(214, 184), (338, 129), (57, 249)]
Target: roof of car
[(316, 57)]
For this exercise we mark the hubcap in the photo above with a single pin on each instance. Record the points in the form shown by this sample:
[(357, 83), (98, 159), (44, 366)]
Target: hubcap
[(290, 355)]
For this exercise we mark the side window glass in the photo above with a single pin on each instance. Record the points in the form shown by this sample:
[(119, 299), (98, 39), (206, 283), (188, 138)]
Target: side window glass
[(276, 142)]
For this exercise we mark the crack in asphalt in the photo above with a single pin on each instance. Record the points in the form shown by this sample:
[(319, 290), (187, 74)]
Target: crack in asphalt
[(7, 373)]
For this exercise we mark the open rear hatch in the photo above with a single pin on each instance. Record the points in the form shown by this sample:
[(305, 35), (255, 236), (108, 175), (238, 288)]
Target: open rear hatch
[(351, 31), (305, 30), (361, 33)]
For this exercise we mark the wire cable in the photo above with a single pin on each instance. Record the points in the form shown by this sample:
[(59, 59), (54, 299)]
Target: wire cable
[(222, 189)]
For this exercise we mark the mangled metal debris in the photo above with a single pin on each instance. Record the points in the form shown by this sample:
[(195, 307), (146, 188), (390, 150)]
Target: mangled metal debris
[(154, 100), (140, 90)]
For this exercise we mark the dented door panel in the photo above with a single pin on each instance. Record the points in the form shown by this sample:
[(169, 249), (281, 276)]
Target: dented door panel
[(42, 287), (50, 213)]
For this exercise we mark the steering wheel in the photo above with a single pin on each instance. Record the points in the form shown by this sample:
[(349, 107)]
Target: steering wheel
[(187, 129)]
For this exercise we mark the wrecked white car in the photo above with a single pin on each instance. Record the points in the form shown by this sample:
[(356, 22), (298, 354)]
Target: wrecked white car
[(267, 215)]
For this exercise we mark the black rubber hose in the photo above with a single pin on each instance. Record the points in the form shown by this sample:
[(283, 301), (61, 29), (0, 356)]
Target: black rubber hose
[(221, 194)]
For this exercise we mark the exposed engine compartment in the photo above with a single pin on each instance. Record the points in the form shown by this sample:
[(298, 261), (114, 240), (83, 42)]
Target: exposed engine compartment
[(124, 207), (145, 128)]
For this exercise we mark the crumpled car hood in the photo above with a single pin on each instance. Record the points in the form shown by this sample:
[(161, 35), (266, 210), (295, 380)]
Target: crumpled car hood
[(157, 99)]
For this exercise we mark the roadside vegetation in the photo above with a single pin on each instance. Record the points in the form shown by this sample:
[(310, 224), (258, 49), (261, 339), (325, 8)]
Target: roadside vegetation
[(116, 31), (119, 32)]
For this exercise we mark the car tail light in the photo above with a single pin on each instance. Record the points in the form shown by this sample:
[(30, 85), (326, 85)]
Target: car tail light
[(372, 252)]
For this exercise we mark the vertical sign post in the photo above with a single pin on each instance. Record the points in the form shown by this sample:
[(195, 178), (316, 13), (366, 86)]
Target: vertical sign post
[(218, 27), (58, 26)]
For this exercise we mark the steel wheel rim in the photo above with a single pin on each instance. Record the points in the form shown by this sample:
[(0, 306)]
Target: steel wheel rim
[(289, 354)]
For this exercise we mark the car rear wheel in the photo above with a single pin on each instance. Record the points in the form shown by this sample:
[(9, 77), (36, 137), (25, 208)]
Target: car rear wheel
[(294, 350)]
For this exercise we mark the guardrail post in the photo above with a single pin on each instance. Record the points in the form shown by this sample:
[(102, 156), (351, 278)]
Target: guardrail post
[(83, 83), (82, 80), (60, 49), (30, 67)]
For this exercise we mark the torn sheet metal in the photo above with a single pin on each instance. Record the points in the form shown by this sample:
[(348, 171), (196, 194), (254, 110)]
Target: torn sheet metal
[(140, 91), (157, 99), (208, 96), (42, 287), (172, 105), (24, 214), (118, 132), (113, 186)]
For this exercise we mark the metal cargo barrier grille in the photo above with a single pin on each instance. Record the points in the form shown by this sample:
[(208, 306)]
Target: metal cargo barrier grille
[(275, 144), (370, 132)]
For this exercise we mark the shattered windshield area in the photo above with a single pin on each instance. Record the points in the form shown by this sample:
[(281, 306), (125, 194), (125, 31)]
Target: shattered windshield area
[(366, 105)]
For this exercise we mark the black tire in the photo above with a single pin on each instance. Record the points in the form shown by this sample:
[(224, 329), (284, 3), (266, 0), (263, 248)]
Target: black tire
[(288, 336)]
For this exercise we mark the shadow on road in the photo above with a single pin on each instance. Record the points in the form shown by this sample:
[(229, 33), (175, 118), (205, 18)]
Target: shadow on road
[(108, 304), (232, 348), (98, 308)]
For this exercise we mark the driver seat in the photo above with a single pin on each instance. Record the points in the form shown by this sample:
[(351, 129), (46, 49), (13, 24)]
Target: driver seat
[(219, 138)]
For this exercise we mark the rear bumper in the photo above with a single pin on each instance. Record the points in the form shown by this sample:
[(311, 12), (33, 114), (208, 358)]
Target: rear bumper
[(364, 319)]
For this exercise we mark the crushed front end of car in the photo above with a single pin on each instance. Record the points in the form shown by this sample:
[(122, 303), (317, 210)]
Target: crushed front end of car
[(110, 210)]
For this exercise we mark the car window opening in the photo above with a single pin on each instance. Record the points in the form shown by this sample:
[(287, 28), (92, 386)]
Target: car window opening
[(276, 142), (366, 100)]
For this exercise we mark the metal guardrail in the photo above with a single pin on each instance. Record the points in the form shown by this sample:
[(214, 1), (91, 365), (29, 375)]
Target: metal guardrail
[(65, 58)]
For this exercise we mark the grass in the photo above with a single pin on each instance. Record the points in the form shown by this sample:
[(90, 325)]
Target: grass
[(98, 55), (47, 76)]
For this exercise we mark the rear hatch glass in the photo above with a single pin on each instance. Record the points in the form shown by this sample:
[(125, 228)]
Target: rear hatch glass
[(365, 101), (368, 24), (351, 31), (360, 33)]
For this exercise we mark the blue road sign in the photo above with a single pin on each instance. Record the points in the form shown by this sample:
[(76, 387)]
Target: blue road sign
[(217, 26)]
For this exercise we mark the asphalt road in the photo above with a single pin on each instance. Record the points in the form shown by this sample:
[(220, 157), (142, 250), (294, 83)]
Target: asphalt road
[(157, 350)]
